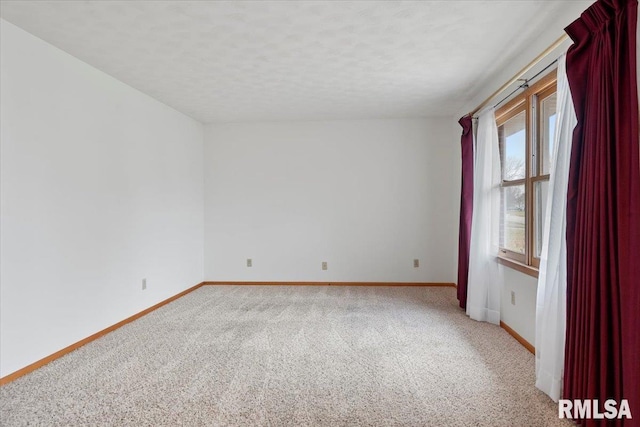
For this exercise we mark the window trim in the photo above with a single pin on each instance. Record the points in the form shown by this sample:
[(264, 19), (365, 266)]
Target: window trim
[(529, 101), (523, 268)]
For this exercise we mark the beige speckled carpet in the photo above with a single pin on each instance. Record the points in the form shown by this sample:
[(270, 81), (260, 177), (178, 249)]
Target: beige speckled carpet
[(291, 356)]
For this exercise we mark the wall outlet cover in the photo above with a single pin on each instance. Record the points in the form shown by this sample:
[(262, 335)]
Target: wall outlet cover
[(324, 265), (249, 262), (144, 284), (416, 263)]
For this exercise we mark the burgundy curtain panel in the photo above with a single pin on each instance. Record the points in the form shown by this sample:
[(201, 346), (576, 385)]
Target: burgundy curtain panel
[(602, 357), (466, 208)]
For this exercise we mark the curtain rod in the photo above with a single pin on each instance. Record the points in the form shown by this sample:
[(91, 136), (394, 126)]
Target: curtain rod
[(520, 73)]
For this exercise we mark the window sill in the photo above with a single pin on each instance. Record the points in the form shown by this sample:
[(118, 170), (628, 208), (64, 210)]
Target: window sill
[(522, 268)]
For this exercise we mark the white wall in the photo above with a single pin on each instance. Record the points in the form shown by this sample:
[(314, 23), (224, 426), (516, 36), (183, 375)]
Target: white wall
[(366, 196), (521, 316), (101, 186)]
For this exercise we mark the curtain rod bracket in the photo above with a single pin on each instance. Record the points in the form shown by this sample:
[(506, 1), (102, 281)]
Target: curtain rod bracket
[(520, 73)]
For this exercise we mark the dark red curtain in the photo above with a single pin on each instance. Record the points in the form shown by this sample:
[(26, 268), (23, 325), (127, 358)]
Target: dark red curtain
[(602, 357), (466, 208)]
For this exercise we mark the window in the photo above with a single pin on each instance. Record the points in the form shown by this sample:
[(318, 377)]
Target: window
[(526, 126)]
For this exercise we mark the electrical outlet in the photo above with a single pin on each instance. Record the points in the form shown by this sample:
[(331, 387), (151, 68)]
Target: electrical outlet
[(416, 263), (249, 262), (513, 298), (324, 265), (144, 284)]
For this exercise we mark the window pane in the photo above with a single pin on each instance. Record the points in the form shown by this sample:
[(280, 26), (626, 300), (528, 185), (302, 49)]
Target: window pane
[(512, 135), (547, 131), (539, 210), (512, 229)]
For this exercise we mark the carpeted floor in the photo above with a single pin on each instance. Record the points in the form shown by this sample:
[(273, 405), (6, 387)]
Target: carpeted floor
[(291, 356)]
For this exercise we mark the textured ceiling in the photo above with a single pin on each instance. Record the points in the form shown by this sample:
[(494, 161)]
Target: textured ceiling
[(284, 60)]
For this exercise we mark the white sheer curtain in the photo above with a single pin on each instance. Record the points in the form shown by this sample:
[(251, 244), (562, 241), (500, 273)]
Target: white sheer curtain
[(552, 280), (483, 289)]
